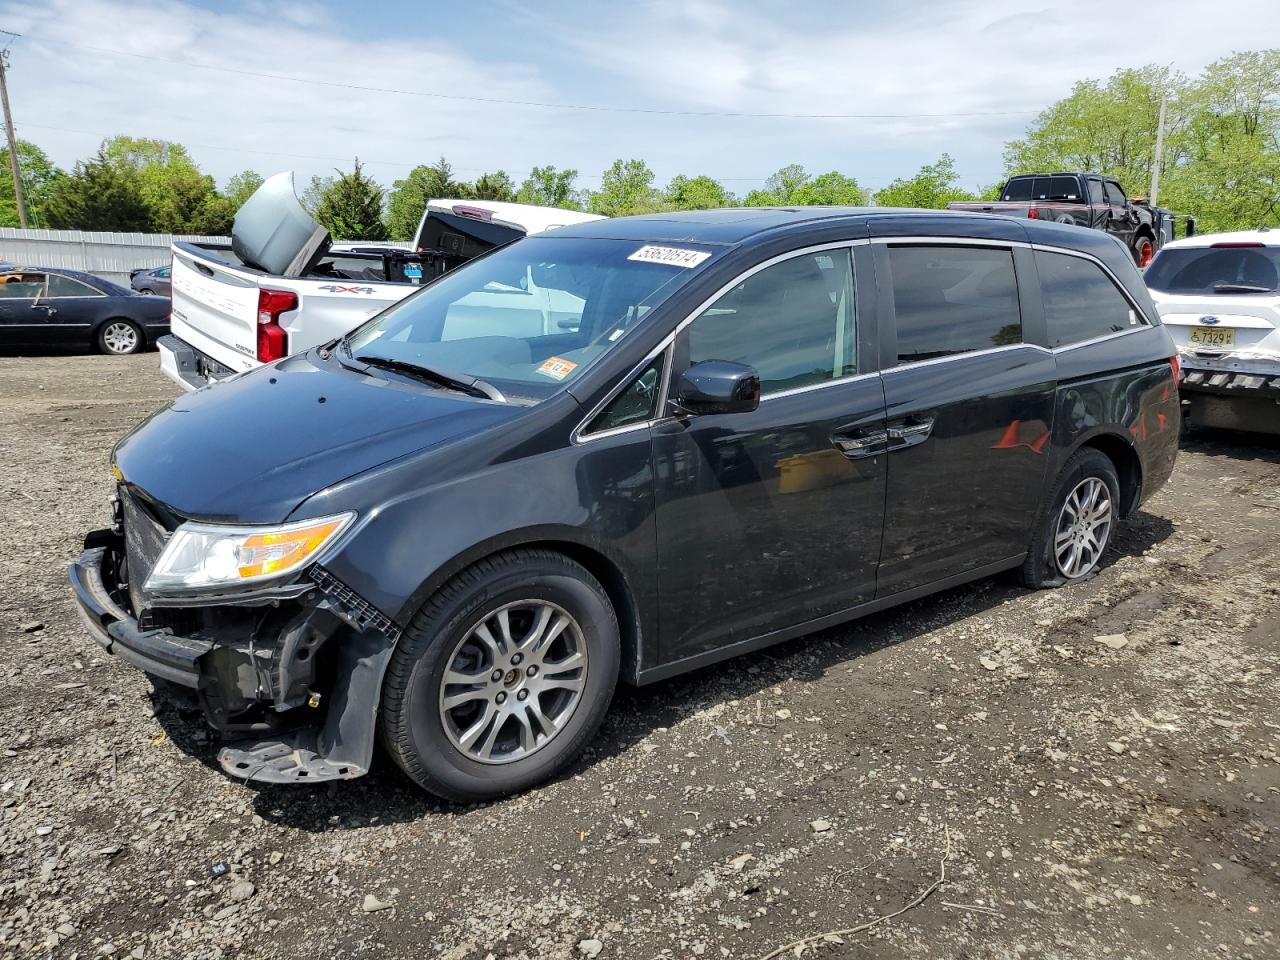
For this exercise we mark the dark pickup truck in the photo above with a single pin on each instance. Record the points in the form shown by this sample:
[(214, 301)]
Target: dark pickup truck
[(1087, 200)]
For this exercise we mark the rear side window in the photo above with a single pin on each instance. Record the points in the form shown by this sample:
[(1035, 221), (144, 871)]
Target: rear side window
[(60, 286), (1095, 193), (1080, 301), (1230, 270), (792, 321), (1018, 189), (950, 300)]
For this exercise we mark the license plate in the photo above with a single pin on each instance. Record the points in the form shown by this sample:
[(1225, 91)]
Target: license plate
[(1202, 337)]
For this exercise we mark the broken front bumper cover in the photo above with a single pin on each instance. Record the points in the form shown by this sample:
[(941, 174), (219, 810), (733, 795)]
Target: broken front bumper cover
[(301, 736)]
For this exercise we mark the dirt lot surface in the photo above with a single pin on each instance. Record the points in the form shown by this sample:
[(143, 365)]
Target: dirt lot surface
[(1085, 798)]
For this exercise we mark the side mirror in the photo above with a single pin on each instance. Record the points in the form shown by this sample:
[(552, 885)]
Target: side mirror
[(717, 386)]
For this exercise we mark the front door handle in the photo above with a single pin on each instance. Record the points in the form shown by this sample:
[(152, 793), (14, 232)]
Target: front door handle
[(907, 433), (856, 446)]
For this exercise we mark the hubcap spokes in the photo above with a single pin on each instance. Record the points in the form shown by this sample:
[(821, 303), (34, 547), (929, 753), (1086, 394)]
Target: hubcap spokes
[(120, 338), (514, 681), (1084, 527)]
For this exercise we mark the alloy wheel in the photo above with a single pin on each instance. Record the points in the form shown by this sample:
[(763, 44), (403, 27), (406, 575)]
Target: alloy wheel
[(120, 338), (513, 682), (1083, 528)]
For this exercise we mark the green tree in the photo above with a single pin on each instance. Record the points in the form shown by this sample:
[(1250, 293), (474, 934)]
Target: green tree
[(696, 193), (314, 192), (97, 195), (351, 208), (780, 189), (932, 188), (626, 188), (171, 185), (494, 186), (1228, 170), (549, 187), (241, 187), (408, 197), (829, 189), (38, 177)]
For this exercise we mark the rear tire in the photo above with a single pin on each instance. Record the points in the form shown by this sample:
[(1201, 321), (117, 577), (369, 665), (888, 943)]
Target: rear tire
[(501, 677), (120, 338), (1143, 252), (1077, 523)]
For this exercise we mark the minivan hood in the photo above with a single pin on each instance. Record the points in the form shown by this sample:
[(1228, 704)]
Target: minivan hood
[(250, 449)]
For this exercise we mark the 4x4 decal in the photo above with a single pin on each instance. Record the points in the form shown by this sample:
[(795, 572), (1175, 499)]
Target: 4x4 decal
[(339, 288)]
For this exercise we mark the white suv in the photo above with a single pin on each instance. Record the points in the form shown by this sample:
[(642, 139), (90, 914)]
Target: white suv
[(1219, 297)]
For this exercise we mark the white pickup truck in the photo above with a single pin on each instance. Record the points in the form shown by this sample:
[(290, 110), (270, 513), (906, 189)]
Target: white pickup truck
[(284, 287)]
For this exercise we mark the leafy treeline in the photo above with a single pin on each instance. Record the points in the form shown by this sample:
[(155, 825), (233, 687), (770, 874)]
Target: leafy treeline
[(1221, 164)]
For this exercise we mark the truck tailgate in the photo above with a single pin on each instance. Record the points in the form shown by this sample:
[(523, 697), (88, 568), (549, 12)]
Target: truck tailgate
[(215, 307)]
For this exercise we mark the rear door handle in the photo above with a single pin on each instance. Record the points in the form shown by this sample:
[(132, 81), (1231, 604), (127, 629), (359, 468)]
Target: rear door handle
[(856, 446)]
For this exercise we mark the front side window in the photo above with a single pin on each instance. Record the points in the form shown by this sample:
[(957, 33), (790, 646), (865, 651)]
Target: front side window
[(60, 286), (531, 317), (793, 322), (636, 404), (1080, 300), (1115, 196), (1210, 270), (21, 286), (950, 300)]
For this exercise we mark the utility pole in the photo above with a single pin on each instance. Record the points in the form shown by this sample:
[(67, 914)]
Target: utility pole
[(1155, 167), (8, 129)]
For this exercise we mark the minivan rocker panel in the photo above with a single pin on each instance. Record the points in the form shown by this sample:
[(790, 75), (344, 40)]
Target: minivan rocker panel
[(456, 529)]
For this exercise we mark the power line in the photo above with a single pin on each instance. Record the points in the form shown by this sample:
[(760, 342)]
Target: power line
[(597, 108)]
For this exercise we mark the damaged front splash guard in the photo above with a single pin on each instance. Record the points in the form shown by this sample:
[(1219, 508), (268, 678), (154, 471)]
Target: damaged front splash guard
[(342, 747)]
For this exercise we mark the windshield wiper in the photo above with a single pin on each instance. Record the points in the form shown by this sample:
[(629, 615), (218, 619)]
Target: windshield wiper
[(1239, 288), (463, 383)]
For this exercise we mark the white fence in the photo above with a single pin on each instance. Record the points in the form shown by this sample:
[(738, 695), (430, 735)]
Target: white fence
[(109, 255)]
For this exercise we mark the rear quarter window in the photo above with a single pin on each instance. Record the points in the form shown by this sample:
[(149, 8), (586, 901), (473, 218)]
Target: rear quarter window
[(1080, 301)]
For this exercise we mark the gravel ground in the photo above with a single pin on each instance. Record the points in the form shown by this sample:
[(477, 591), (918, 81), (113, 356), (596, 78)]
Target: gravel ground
[(1090, 772)]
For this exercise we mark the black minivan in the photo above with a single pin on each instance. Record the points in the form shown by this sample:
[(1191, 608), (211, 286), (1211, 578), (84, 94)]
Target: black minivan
[(624, 449)]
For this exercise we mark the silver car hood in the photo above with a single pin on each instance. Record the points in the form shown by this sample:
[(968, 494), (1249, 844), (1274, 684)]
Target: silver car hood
[(273, 232)]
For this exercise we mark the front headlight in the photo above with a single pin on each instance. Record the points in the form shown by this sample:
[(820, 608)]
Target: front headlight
[(203, 556)]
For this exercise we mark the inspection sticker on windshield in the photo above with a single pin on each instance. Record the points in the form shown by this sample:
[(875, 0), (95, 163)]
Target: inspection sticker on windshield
[(672, 256), (557, 368)]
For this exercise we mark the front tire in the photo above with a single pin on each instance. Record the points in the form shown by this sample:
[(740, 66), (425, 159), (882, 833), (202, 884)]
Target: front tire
[(501, 677), (1143, 252), (120, 338), (1077, 525)]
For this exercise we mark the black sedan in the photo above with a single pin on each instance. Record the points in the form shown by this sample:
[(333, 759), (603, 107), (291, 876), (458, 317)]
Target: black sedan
[(152, 282), (42, 307)]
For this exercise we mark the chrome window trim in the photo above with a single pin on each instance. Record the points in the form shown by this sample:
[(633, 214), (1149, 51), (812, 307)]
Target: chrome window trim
[(967, 353), (578, 436), (1099, 339)]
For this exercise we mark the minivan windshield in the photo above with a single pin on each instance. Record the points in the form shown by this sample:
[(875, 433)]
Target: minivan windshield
[(530, 317), (1225, 269)]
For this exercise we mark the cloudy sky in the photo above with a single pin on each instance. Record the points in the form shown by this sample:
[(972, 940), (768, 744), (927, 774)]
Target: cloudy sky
[(695, 86)]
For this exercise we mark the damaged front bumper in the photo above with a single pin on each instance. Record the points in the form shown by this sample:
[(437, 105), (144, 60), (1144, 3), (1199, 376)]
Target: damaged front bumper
[(293, 676)]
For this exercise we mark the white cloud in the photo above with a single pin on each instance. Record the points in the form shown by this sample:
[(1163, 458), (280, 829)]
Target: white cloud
[(997, 62)]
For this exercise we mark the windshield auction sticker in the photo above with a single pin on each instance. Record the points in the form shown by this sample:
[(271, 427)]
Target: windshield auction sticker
[(672, 256), (557, 368)]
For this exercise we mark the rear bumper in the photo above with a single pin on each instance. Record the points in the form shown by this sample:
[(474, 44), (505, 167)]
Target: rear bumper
[(1255, 382), (188, 367)]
